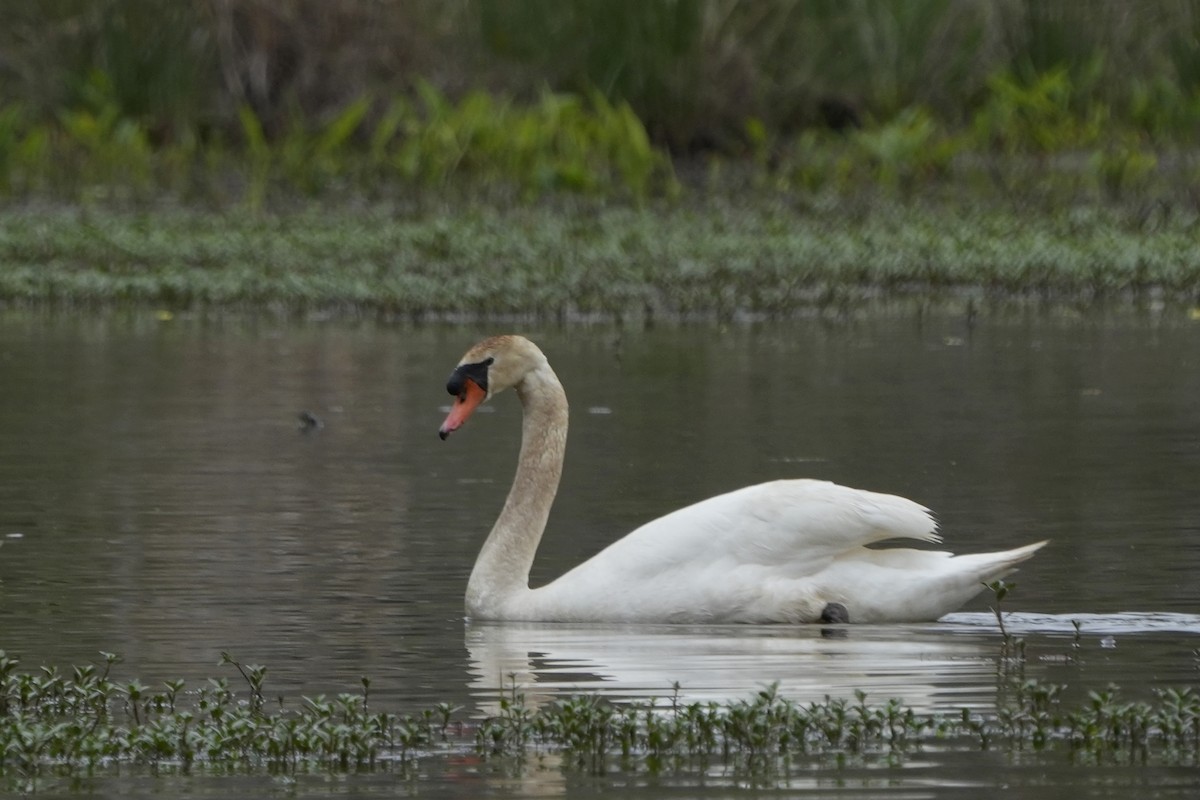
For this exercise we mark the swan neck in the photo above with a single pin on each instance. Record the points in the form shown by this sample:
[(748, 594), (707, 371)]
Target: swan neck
[(501, 574)]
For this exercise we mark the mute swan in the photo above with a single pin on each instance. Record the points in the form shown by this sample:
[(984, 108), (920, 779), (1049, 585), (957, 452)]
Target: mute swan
[(789, 551)]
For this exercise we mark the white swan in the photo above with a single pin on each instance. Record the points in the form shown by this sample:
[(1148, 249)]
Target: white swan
[(786, 551)]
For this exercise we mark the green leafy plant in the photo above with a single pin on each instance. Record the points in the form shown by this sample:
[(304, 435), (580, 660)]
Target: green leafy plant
[(1036, 116), (909, 147), (82, 720), (562, 142)]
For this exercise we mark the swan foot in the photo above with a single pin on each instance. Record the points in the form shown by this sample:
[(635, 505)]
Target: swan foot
[(834, 613)]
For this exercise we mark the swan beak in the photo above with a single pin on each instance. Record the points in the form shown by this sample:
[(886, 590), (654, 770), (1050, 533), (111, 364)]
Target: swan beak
[(464, 405)]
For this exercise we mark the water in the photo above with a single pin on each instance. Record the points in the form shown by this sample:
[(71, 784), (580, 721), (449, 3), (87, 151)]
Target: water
[(158, 499)]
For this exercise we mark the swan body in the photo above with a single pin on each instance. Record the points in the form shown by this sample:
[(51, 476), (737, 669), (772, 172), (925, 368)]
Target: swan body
[(777, 552)]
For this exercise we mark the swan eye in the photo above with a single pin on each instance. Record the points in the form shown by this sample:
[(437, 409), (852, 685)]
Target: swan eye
[(477, 373)]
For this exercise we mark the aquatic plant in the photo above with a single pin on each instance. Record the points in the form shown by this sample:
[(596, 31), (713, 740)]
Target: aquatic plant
[(554, 262), (86, 719), (1012, 651)]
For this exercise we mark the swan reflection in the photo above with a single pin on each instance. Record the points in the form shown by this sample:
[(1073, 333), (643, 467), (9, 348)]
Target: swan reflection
[(929, 667)]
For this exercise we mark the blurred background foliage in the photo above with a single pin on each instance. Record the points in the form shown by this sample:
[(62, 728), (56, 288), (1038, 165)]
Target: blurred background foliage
[(218, 98)]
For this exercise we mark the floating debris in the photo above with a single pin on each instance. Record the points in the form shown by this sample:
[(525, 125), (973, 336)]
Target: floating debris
[(310, 422)]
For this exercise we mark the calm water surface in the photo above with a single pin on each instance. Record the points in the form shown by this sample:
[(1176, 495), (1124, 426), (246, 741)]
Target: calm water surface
[(158, 500)]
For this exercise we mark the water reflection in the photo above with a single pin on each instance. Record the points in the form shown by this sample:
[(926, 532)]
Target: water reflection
[(922, 665), (937, 667)]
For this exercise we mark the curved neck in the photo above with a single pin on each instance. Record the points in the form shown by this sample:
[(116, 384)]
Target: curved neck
[(502, 570)]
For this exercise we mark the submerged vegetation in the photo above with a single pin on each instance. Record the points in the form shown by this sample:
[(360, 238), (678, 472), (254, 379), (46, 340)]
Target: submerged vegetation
[(586, 259), (54, 723)]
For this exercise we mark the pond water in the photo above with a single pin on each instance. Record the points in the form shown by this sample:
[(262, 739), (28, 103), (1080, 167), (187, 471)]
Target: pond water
[(158, 499)]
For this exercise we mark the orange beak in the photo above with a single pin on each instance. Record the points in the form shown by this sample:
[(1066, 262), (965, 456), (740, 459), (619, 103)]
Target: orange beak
[(464, 405)]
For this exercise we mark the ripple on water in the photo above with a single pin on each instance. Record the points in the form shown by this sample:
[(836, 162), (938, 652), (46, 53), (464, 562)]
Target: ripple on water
[(1125, 622)]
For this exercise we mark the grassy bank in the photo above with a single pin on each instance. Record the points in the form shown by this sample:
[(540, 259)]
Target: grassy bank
[(576, 258)]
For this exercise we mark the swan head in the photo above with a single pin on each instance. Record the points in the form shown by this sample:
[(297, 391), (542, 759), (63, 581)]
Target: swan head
[(488, 368)]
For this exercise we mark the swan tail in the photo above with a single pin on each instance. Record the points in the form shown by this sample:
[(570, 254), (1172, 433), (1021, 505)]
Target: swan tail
[(901, 585), (992, 566)]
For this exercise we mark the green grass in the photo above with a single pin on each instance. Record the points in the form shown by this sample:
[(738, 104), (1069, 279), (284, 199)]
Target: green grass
[(733, 255)]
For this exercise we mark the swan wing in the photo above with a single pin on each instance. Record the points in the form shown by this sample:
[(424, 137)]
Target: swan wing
[(795, 527), (715, 558)]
